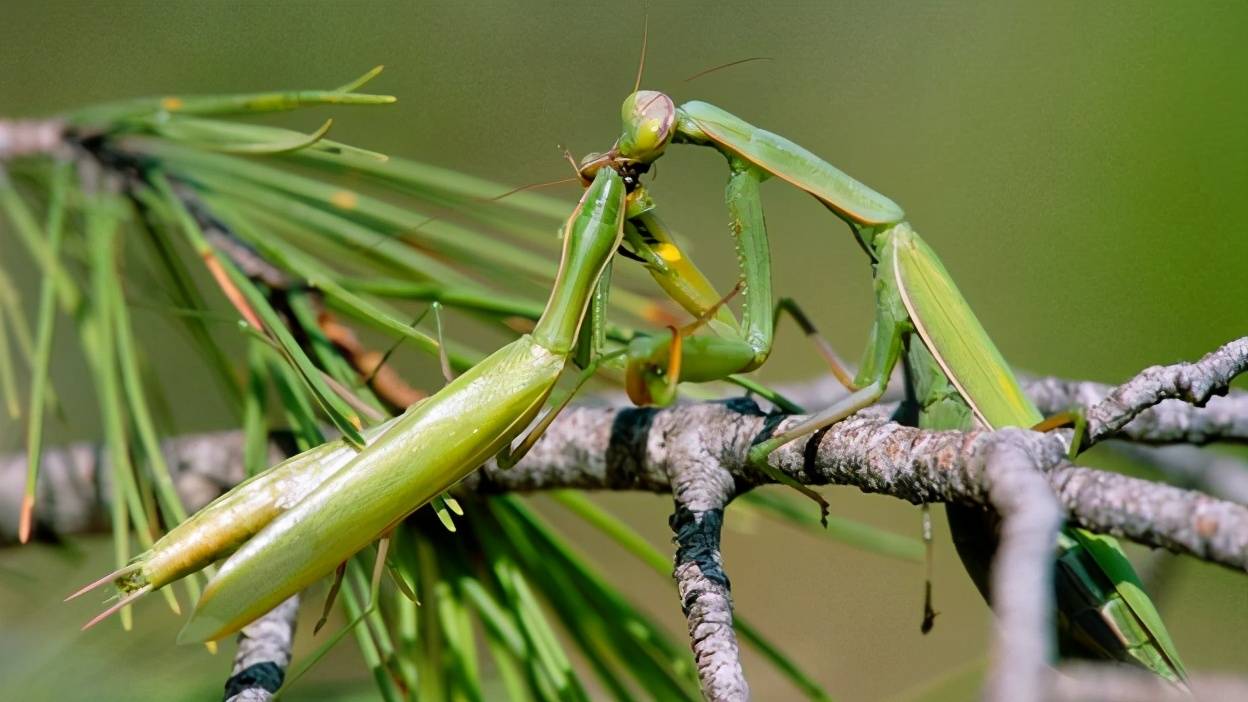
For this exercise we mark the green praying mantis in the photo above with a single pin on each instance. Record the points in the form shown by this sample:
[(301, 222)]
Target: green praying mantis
[(958, 375)]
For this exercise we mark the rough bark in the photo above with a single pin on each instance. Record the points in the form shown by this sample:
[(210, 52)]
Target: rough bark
[(696, 452), (263, 655)]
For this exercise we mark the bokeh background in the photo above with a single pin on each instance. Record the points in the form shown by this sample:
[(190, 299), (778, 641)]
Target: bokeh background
[(1082, 170)]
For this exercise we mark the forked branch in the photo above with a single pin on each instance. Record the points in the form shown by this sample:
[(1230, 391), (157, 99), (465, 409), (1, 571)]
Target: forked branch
[(697, 453)]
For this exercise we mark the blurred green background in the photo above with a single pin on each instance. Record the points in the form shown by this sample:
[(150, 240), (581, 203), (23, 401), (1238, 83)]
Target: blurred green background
[(1081, 169)]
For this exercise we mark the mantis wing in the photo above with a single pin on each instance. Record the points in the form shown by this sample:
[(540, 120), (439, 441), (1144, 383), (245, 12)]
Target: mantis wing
[(788, 161), (1109, 556), (954, 336), (973, 364)]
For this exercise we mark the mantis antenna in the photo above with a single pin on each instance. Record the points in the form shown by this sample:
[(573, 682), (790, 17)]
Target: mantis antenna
[(533, 186), (730, 64), (645, 40)]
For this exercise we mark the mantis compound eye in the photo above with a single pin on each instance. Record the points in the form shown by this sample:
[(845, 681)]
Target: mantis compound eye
[(649, 123), (588, 166)]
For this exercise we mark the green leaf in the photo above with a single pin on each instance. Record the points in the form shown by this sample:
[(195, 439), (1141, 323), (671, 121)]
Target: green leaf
[(231, 138), (98, 335), (8, 381), (111, 114), (42, 358), (609, 630), (181, 286)]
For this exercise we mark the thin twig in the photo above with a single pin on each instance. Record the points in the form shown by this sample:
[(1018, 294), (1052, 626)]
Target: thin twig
[(1162, 404)]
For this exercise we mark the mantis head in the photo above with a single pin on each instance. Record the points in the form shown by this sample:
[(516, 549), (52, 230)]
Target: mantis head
[(649, 123)]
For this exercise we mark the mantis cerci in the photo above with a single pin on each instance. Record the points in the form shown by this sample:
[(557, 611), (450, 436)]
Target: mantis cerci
[(957, 372), (453, 431)]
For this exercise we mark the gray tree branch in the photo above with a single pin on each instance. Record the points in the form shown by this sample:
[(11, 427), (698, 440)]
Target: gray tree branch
[(696, 452), (1161, 404), (606, 449)]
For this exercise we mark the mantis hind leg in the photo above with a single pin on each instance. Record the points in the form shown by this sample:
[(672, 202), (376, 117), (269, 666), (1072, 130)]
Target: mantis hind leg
[(929, 612), (758, 454), (332, 597), (383, 548), (1075, 418), (881, 356), (835, 365)]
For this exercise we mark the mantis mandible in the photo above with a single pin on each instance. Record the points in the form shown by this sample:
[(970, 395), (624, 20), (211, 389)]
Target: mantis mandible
[(959, 375), (283, 548)]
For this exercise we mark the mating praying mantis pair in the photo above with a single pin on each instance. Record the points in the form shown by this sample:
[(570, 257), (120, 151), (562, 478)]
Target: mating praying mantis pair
[(957, 375), (295, 523)]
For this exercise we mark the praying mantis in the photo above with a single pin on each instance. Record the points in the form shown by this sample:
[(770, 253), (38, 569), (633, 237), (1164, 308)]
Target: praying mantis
[(921, 319)]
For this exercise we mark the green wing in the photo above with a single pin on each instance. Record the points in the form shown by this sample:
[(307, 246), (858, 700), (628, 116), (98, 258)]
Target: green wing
[(788, 161), (954, 336), (973, 364), (1109, 555)]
